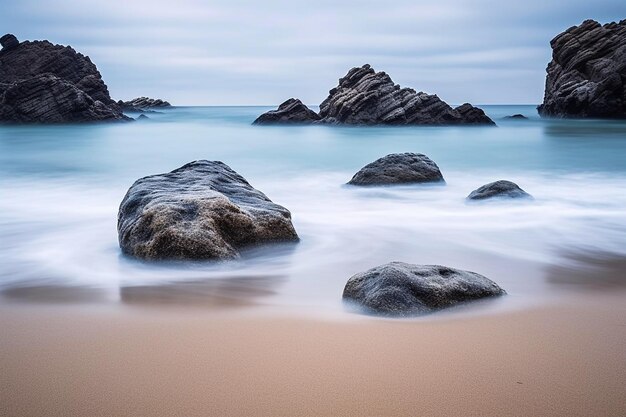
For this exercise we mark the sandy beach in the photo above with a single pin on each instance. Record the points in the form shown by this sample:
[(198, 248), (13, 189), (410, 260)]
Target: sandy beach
[(565, 359)]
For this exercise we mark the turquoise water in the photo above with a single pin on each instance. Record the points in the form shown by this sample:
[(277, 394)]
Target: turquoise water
[(60, 187)]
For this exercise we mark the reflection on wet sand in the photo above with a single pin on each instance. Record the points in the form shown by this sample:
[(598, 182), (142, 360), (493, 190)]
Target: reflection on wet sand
[(236, 291), (52, 292), (593, 270)]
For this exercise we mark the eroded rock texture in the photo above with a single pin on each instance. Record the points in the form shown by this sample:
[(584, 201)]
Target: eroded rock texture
[(401, 289), (587, 74), (71, 88), (143, 103), (202, 210), (367, 97), (399, 168), (291, 111)]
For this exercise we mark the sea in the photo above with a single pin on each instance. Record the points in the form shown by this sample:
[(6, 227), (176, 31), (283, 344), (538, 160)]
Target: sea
[(61, 186)]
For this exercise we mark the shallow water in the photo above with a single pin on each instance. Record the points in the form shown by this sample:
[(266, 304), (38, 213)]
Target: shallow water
[(60, 188)]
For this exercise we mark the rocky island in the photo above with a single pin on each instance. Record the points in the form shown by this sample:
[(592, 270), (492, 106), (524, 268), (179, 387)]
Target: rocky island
[(366, 97), (587, 74), (45, 83)]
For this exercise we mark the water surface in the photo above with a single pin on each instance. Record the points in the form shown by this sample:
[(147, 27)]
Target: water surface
[(60, 188)]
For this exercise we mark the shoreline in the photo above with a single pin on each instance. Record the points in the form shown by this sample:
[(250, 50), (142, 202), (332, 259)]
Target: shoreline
[(64, 360)]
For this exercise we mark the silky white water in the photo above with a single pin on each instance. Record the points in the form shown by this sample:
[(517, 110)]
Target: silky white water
[(60, 187)]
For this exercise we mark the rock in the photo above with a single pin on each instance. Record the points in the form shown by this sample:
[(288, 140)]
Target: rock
[(473, 115), (399, 168), (401, 289), (516, 117), (202, 210), (499, 189), (366, 97), (291, 111), (49, 99), (587, 74), (142, 117), (9, 42), (143, 103), (28, 64)]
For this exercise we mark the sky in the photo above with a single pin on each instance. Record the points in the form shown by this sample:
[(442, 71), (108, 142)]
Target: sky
[(232, 52)]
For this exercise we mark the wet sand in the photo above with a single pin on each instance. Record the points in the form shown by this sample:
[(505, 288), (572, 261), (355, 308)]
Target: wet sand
[(563, 360)]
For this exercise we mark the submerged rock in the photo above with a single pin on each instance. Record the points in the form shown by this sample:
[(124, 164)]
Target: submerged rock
[(291, 111), (587, 74), (499, 189), (399, 168), (516, 117), (367, 97), (33, 71), (202, 210), (401, 289), (143, 103)]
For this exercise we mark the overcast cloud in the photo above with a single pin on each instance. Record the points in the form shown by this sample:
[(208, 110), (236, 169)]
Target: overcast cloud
[(233, 52)]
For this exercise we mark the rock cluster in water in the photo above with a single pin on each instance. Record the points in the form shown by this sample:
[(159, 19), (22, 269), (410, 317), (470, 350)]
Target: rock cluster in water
[(143, 103), (45, 83), (202, 210), (399, 168), (587, 74), (401, 289), (367, 97)]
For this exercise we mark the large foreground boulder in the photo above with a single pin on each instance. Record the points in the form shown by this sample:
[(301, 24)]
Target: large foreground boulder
[(32, 71), (401, 289), (202, 210), (291, 111), (367, 97), (501, 189), (587, 74), (399, 168)]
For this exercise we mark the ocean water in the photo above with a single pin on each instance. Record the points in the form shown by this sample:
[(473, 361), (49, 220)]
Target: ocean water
[(60, 188)]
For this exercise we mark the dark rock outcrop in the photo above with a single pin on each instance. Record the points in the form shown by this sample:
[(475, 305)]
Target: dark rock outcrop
[(399, 168), (49, 99), (587, 74), (291, 111), (367, 97), (516, 117), (473, 115), (499, 189), (143, 103), (401, 289), (39, 67), (202, 210)]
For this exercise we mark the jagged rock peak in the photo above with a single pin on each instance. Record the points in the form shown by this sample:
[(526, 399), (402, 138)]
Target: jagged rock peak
[(364, 96), (292, 111), (587, 74), (45, 83), (143, 103)]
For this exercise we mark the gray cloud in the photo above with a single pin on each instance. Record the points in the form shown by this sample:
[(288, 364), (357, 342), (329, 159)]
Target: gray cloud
[(244, 52)]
